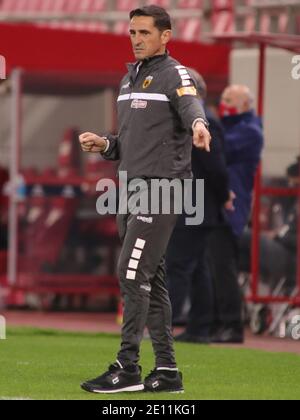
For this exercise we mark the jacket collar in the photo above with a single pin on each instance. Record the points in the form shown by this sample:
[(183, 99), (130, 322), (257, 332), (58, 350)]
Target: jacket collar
[(148, 62)]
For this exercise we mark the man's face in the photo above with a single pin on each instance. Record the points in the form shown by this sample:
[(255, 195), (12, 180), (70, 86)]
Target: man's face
[(232, 99), (147, 41), (235, 100)]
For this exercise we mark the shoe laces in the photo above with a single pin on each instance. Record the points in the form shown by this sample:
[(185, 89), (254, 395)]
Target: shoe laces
[(113, 368), (152, 374), (155, 373), (116, 368)]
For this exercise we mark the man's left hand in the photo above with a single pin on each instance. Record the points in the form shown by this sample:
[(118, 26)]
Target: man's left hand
[(201, 137), (230, 203)]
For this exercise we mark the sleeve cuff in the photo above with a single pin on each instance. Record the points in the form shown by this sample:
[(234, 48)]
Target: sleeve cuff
[(107, 146), (202, 120)]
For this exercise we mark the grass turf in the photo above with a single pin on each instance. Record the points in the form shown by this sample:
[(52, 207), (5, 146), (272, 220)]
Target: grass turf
[(45, 364)]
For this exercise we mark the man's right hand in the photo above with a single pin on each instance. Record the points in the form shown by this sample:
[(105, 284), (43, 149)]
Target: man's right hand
[(201, 136), (90, 142)]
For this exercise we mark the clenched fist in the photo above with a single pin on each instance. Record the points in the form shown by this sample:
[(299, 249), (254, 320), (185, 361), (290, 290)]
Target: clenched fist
[(90, 142)]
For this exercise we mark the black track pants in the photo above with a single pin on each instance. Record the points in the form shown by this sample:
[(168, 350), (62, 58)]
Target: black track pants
[(141, 272)]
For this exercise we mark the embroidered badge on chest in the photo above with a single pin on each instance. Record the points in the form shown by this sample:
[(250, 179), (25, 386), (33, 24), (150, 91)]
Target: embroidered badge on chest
[(139, 104), (147, 82)]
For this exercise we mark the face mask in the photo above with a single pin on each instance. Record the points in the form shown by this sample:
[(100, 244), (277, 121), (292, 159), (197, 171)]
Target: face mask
[(227, 111)]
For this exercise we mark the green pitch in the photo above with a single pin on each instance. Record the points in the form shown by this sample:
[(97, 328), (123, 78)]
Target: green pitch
[(38, 364)]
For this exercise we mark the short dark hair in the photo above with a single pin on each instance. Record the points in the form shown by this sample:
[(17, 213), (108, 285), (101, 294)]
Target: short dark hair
[(162, 19)]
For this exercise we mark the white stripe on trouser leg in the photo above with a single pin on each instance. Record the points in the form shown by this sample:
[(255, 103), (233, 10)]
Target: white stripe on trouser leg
[(135, 259), (133, 264), (140, 243), (136, 254), (131, 275)]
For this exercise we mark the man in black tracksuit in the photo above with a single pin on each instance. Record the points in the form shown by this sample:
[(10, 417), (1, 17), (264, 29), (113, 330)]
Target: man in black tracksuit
[(157, 106), (187, 263)]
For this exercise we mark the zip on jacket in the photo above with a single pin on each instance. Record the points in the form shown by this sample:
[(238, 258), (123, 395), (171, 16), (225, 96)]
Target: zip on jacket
[(157, 106)]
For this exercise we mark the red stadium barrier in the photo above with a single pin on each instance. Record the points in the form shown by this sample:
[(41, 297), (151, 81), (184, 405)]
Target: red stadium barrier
[(68, 153), (44, 51), (3, 262)]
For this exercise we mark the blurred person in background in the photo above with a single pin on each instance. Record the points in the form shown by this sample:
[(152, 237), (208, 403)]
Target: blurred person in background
[(287, 237), (278, 247), (187, 266), (157, 106), (243, 147)]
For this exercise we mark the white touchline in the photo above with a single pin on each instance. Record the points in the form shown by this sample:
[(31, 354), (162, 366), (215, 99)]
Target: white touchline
[(15, 399)]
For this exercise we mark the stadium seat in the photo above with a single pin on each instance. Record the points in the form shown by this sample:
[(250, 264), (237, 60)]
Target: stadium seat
[(64, 6), (3, 263), (223, 16), (69, 153), (126, 5), (45, 228), (162, 3), (190, 29), (85, 6), (249, 22), (122, 27), (30, 7)]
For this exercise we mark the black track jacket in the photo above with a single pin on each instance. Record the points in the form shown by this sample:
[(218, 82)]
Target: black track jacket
[(157, 107)]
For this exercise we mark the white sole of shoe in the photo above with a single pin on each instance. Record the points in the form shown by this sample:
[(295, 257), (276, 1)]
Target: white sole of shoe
[(134, 388), (168, 392)]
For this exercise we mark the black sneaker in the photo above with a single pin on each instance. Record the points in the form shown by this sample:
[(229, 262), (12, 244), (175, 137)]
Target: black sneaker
[(189, 338), (229, 336), (116, 379), (164, 380)]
